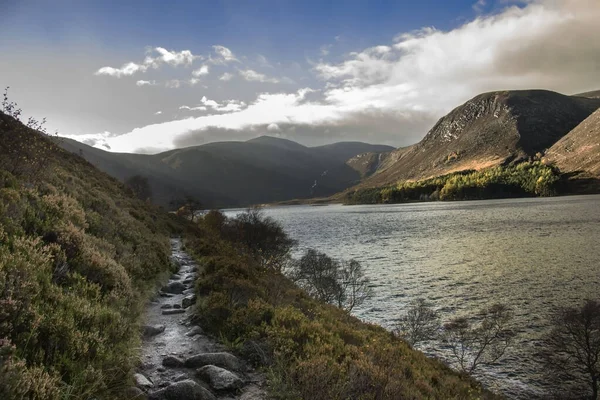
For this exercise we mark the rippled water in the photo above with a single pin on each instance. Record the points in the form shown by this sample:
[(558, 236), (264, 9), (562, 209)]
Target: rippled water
[(533, 254)]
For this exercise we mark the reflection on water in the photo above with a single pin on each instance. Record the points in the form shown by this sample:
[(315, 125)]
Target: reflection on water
[(534, 254)]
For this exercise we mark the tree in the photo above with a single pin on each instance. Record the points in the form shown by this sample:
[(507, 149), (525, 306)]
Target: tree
[(140, 187), (342, 284), (187, 207), (260, 236), (420, 323), (482, 343), (571, 350)]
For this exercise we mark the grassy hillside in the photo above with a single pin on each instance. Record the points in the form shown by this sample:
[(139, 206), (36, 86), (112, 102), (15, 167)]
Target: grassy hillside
[(260, 170), (78, 256), (489, 130)]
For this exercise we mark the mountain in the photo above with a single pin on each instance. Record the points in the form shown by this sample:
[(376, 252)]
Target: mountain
[(595, 94), (260, 170), (578, 154), (490, 129)]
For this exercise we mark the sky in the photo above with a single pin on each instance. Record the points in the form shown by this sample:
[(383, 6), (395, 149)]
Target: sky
[(148, 76)]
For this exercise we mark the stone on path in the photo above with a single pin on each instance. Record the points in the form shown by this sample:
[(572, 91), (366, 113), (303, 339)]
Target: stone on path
[(173, 311), (141, 381), (195, 331), (188, 301), (172, 362), (182, 390), (219, 378), (165, 306), (223, 360), (152, 330), (174, 288)]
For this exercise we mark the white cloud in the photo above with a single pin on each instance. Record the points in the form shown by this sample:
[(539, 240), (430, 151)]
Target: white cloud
[(146, 83), (224, 55), (203, 70), (253, 76), (197, 108), (126, 70), (325, 49), (226, 77), (173, 84), (263, 62), (228, 106), (273, 127), (173, 58), (479, 6), (158, 113)]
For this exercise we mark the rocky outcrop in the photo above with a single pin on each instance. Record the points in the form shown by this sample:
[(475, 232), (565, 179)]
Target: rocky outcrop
[(490, 129), (152, 330)]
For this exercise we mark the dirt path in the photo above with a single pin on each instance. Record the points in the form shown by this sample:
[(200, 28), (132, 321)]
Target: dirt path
[(178, 360)]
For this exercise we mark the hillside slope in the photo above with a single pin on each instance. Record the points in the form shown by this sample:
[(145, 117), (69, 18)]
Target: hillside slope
[(490, 129), (260, 170), (579, 150), (78, 256)]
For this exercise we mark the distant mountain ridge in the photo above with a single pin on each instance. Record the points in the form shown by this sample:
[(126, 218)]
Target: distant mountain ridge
[(490, 129), (263, 169)]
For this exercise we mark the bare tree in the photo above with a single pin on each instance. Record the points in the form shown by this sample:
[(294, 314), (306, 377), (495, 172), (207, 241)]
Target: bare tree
[(342, 284), (571, 350), (420, 323), (481, 343), (187, 207)]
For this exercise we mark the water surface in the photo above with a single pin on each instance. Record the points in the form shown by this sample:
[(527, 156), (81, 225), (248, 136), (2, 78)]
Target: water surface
[(534, 254)]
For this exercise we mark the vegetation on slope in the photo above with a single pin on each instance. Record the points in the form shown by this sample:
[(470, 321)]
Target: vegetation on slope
[(527, 179), (311, 350), (78, 256)]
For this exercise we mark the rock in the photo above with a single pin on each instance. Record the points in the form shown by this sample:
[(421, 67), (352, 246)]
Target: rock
[(188, 291), (152, 330), (182, 390), (141, 381), (161, 369), (180, 378), (188, 301), (224, 360), (165, 306), (174, 288), (219, 378), (172, 362), (163, 294), (194, 269), (173, 311), (195, 331), (176, 305), (134, 393), (175, 277), (188, 280)]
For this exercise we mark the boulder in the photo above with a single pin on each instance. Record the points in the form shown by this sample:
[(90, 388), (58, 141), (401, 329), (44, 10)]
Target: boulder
[(173, 311), (174, 288), (172, 362), (182, 390), (195, 331), (219, 378), (165, 306), (223, 360), (188, 301), (152, 330), (141, 381)]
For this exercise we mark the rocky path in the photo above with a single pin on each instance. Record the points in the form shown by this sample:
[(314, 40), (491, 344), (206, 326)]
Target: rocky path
[(178, 360)]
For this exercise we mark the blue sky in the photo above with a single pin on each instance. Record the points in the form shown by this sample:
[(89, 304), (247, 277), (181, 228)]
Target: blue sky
[(147, 76)]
